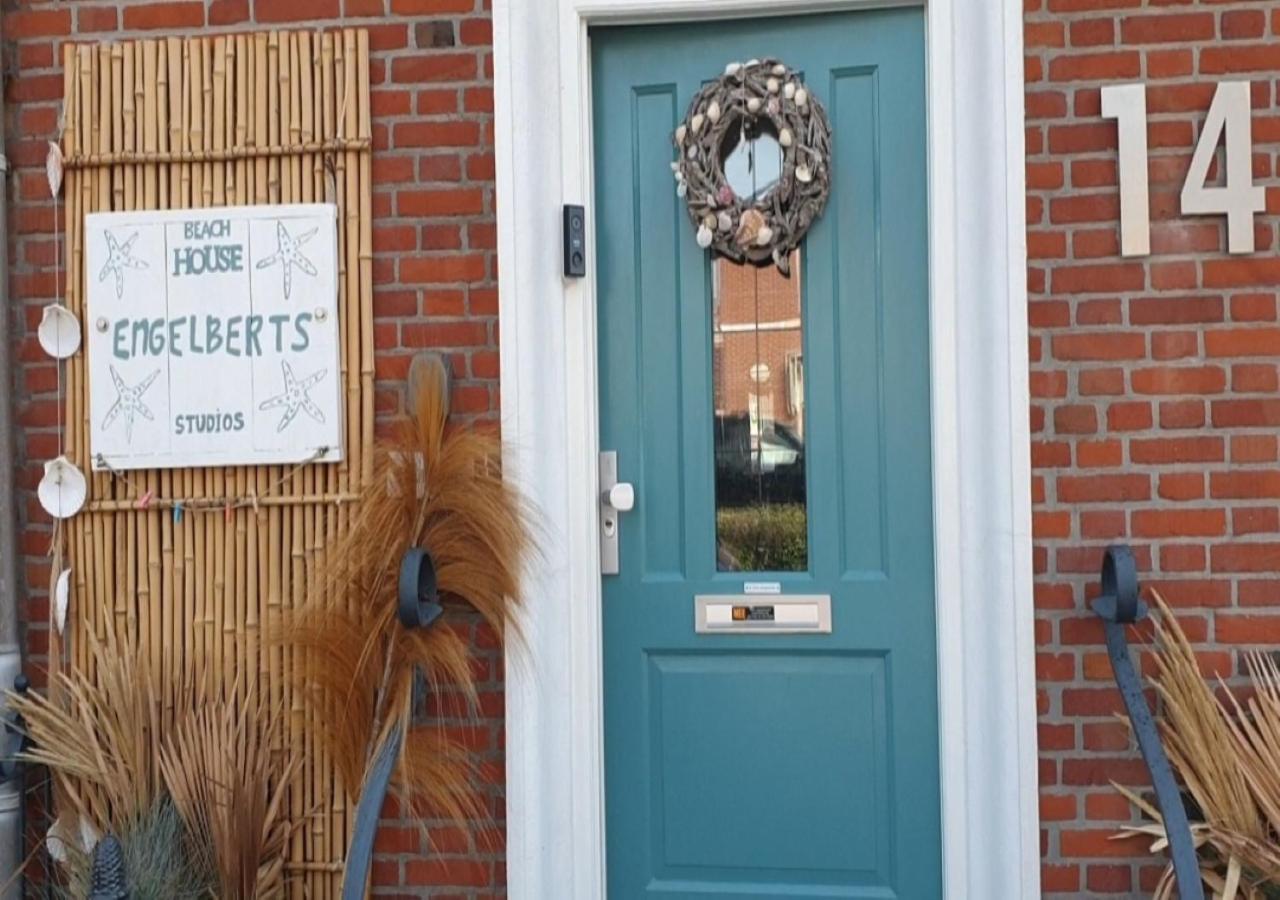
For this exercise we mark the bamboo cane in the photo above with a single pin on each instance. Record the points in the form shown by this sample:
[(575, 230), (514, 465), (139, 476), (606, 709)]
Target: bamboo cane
[(182, 123)]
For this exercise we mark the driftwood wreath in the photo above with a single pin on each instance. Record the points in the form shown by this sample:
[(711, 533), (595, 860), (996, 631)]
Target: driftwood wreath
[(759, 97)]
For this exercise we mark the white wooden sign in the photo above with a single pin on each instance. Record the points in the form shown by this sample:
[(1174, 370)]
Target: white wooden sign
[(213, 336)]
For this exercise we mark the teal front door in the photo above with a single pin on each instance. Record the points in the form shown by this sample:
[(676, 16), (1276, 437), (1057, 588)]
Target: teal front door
[(776, 433)]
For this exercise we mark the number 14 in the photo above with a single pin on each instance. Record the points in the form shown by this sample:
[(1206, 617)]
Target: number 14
[(1240, 200)]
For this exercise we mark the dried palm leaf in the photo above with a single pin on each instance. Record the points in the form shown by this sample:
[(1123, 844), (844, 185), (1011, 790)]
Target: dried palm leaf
[(97, 739), (437, 487), (229, 786), (1228, 756), (1195, 731)]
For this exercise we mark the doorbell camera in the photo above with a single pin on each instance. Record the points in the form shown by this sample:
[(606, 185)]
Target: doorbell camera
[(575, 241)]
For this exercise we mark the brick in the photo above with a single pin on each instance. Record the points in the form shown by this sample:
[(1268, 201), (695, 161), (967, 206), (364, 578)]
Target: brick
[(1175, 310), (1099, 454), (228, 12), (267, 11), (1166, 29), (154, 16), (1243, 342), (1103, 488), (1248, 484), (1247, 448), (1218, 60), (1255, 520), (1160, 523), (1243, 23), (1100, 382), (1254, 378), (1094, 279), (1260, 557), (96, 18), (1253, 308), (1092, 32), (1129, 417), (1246, 413), (1247, 629), (434, 67), (1179, 380), (21, 24), (1095, 66), (1174, 344), (1099, 346), (1077, 419), (1169, 451)]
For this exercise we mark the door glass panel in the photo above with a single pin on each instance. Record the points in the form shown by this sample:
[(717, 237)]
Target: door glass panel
[(758, 365)]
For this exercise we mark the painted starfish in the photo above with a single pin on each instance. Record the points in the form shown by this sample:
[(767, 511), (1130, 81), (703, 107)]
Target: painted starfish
[(129, 403), (289, 255), (295, 396), (120, 257)]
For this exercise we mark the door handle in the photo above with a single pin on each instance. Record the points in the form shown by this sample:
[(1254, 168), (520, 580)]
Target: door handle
[(615, 497), (622, 497)]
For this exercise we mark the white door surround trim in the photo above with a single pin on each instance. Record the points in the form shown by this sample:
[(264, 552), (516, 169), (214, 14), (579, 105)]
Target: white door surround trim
[(981, 438)]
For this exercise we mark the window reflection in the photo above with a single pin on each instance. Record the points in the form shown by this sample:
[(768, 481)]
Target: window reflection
[(758, 358)]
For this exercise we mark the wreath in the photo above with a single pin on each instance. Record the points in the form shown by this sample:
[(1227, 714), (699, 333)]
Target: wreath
[(751, 99)]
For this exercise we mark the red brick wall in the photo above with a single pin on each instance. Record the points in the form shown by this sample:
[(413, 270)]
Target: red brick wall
[(1155, 396), (435, 277)]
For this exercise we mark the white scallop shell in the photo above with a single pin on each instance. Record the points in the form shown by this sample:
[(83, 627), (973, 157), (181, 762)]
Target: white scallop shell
[(59, 331), (803, 174), (753, 62), (704, 237), (681, 189), (713, 112), (764, 236), (733, 68), (772, 85), (695, 124), (790, 90), (61, 599), (724, 221), (784, 137), (753, 105), (802, 97), (680, 134), (779, 69), (62, 489), (53, 169)]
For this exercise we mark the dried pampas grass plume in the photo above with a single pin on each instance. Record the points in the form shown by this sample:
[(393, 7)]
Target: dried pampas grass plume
[(438, 487)]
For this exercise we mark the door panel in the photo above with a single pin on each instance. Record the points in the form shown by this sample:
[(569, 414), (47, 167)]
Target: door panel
[(774, 424)]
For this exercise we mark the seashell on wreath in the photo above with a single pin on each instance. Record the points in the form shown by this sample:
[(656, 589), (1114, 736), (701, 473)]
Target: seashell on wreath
[(754, 98)]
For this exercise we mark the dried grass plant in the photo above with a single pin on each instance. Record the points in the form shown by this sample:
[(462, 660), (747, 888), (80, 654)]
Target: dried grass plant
[(1225, 746), (118, 768), (439, 487), (222, 774)]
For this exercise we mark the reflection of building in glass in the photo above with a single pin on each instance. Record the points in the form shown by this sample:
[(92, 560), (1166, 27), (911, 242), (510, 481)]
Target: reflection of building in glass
[(758, 361), (759, 347)]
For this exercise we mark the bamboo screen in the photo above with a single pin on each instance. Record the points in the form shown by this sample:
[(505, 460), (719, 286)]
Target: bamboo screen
[(178, 123)]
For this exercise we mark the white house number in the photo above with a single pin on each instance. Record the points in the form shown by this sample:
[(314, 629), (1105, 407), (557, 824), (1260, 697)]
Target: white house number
[(1239, 199)]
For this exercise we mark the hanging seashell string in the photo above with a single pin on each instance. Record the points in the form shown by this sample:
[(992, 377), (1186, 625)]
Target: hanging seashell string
[(758, 97)]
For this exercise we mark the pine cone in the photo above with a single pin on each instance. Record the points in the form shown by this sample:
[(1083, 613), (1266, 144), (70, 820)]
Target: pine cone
[(107, 881)]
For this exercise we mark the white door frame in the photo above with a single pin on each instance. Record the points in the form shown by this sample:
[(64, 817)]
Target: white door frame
[(981, 439)]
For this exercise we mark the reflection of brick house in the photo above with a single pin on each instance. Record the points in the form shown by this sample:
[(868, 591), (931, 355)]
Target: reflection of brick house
[(759, 350)]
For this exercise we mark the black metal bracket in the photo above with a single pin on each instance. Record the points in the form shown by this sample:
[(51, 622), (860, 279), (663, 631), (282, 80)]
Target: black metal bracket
[(418, 606), (419, 598), (1119, 606)]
